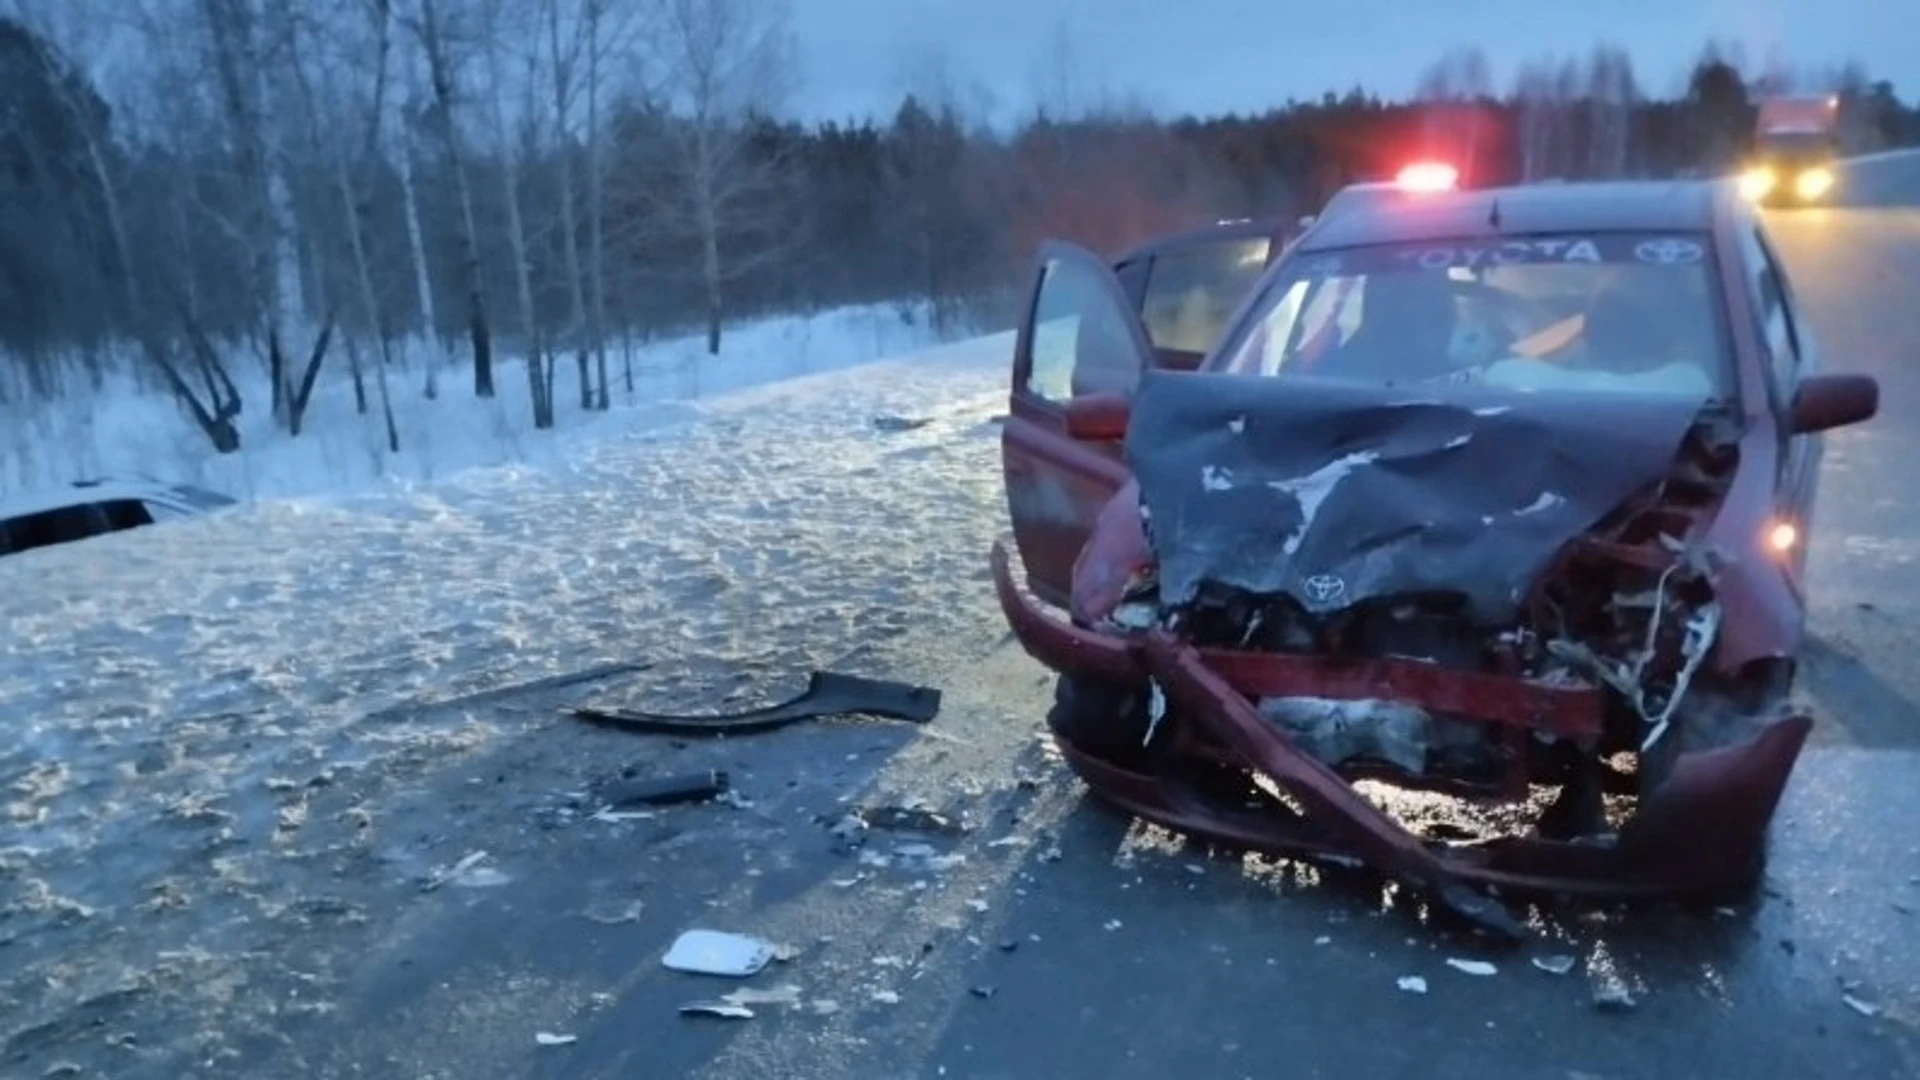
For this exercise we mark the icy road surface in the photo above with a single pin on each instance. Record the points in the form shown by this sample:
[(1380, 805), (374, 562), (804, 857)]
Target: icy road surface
[(176, 697)]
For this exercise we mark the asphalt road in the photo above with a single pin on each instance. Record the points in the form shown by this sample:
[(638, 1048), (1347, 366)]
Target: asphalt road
[(1065, 942)]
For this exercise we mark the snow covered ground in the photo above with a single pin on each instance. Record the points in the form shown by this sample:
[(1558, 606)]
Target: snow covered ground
[(169, 694), (132, 429)]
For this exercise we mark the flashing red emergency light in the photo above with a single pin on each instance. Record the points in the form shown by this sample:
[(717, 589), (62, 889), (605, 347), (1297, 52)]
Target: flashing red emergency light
[(1428, 176)]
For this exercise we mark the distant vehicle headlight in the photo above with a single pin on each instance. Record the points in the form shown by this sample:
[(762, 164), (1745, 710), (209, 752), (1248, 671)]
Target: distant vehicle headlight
[(1755, 183), (1813, 183)]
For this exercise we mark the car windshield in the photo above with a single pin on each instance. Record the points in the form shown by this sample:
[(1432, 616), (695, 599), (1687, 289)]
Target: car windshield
[(1616, 312), (1790, 143)]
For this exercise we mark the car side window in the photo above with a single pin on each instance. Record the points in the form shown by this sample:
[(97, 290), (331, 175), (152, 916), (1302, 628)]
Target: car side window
[(1192, 292), (1079, 343), (1776, 322)]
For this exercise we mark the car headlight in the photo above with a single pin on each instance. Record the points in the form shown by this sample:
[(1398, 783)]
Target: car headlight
[(1755, 183), (1813, 183)]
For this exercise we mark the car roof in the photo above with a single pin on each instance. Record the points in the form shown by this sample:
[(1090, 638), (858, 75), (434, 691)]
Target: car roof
[(1602, 206), (88, 492)]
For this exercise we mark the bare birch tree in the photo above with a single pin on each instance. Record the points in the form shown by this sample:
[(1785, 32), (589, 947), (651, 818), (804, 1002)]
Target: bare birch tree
[(723, 62), (358, 162), (139, 316), (518, 148), (1611, 94), (243, 51), (431, 30)]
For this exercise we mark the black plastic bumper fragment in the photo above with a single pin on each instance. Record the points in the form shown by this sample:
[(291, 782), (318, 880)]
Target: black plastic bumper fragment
[(828, 693)]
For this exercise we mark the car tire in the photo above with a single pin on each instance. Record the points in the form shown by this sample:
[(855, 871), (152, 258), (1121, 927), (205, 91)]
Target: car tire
[(1106, 720)]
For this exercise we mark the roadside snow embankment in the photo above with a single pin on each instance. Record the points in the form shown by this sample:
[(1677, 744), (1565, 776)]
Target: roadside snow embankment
[(123, 428)]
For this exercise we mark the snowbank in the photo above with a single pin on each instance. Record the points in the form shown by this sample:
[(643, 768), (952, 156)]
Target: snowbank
[(129, 429)]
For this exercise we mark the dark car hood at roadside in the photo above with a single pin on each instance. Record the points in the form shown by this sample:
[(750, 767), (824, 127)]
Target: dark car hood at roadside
[(1334, 493)]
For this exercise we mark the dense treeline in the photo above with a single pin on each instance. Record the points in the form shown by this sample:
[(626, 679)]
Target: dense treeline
[(292, 188)]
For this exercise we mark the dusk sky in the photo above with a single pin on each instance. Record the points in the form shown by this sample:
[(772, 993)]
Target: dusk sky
[(859, 56)]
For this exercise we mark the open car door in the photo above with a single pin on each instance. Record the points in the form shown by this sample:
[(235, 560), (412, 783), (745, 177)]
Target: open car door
[(1080, 336)]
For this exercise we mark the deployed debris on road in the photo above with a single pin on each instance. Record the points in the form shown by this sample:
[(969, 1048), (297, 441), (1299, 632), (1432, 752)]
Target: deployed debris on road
[(665, 790), (470, 872), (738, 1005), (828, 693), (546, 685), (714, 952), (891, 424)]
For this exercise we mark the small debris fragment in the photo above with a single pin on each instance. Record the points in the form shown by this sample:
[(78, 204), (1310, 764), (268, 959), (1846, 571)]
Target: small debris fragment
[(467, 873), (712, 952), (666, 790), (886, 997), (1111, 925), (1412, 984), (1472, 967), (982, 991), (911, 819), (1009, 944), (1554, 965), (1323, 939), (1614, 997), (738, 1005), (613, 913), (1864, 1008), (547, 1038), (891, 424), (716, 1008)]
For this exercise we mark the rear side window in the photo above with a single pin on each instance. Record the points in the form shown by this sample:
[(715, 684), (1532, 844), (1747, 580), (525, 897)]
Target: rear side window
[(70, 523), (1191, 293)]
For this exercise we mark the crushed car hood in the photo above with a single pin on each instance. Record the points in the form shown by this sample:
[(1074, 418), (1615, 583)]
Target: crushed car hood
[(1335, 493)]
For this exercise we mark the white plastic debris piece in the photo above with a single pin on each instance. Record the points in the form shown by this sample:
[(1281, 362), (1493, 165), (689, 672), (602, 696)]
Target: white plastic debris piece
[(712, 952), (716, 1008), (886, 997), (1554, 965), (1864, 1008), (784, 994), (611, 816), (1111, 925), (1472, 967), (1412, 984), (469, 873), (548, 1038), (1323, 939)]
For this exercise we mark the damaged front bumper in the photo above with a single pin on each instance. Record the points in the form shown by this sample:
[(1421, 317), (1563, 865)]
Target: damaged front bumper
[(1701, 833)]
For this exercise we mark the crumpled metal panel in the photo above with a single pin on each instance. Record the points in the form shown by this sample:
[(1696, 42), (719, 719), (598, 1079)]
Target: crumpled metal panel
[(1333, 493)]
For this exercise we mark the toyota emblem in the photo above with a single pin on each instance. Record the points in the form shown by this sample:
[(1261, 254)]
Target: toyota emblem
[(1324, 589), (1669, 252)]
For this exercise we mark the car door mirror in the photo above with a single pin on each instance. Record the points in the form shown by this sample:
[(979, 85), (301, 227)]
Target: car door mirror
[(1825, 402), (1099, 417)]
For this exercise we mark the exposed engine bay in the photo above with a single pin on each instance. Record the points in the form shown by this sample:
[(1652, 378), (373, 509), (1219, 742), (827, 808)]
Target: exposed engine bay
[(1537, 542)]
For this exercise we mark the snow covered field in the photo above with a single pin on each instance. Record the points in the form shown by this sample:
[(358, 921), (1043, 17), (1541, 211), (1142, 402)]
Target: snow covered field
[(129, 429), (174, 696)]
